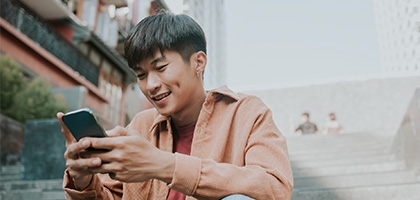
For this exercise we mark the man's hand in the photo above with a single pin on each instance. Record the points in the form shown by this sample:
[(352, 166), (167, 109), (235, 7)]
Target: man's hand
[(77, 166), (130, 157)]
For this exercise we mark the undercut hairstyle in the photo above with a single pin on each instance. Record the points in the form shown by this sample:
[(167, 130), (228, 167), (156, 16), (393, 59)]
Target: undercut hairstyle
[(164, 31)]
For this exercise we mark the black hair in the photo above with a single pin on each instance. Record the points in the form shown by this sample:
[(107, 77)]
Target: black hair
[(164, 31), (332, 116)]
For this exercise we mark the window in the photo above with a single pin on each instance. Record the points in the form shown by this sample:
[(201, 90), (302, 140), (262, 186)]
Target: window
[(83, 48), (95, 57), (89, 11), (111, 86)]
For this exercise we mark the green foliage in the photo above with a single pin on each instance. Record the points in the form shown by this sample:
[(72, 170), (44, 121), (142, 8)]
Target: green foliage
[(29, 101), (12, 81)]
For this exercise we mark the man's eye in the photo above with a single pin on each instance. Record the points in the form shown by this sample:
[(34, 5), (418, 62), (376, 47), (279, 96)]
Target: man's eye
[(141, 76), (161, 68)]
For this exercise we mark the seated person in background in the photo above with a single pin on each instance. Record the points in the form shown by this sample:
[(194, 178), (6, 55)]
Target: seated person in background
[(307, 127), (332, 125), (194, 144)]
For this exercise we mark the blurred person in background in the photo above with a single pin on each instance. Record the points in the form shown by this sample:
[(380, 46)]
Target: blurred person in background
[(332, 126), (307, 127)]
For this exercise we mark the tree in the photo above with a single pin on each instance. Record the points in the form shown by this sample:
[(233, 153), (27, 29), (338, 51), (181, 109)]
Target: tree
[(37, 102), (28, 101), (12, 81)]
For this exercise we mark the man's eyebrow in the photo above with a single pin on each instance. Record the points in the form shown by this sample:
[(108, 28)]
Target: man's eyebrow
[(160, 58), (154, 61), (137, 68)]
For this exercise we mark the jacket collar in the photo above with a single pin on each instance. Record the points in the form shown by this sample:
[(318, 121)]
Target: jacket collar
[(221, 92), (213, 96)]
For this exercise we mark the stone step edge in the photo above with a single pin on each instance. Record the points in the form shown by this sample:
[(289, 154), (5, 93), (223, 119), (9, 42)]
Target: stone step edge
[(354, 187)]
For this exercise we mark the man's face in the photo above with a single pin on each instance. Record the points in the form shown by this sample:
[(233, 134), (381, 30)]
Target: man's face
[(168, 82), (305, 118)]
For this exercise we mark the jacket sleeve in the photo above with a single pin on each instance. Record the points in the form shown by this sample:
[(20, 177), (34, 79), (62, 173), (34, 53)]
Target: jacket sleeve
[(101, 187), (266, 173)]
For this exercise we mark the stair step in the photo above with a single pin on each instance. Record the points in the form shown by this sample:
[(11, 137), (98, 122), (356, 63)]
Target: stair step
[(342, 161), (350, 166), (11, 177), (319, 145), (32, 185), (356, 180), (10, 173), (328, 148), (408, 191), (396, 165), (31, 194), (336, 155), (343, 140), (341, 137)]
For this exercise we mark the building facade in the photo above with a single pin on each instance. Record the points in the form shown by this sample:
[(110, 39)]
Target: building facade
[(76, 46), (210, 15), (398, 27)]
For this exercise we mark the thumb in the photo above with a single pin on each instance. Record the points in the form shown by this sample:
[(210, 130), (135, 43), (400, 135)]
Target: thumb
[(66, 132)]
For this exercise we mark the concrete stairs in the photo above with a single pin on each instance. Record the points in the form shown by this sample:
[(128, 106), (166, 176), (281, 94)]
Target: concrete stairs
[(350, 166), (10, 173), (325, 167), (12, 188)]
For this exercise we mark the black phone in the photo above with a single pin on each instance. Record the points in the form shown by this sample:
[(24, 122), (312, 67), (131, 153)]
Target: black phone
[(83, 123)]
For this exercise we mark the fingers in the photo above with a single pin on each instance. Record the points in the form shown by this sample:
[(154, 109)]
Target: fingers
[(113, 140), (121, 131), (79, 169), (104, 143), (79, 166), (74, 149), (117, 131), (66, 132), (106, 168), (83, 163)]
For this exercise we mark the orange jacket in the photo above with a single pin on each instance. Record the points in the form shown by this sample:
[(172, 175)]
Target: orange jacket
[(236, 149)]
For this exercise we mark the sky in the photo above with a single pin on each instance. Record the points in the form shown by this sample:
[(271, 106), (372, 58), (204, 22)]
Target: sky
[(278, 42)]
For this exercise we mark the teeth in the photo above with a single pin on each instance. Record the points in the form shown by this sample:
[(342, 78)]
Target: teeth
[(157, 98)]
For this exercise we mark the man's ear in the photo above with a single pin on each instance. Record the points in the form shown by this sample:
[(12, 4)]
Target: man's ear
[(200, 61)]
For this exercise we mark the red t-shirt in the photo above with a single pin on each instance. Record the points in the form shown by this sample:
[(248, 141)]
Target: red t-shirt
[(183, 137)]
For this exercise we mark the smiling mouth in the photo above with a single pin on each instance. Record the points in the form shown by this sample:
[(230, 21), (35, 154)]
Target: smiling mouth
[(161, 96)]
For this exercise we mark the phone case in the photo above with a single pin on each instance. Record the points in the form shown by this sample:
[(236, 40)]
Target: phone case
[(83, 123)]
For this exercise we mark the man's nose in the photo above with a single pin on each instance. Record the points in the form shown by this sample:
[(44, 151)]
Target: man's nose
[(153, 82)]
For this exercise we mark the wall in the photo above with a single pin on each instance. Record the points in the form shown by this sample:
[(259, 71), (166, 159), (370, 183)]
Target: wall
[(43, 149), (11, 140), (407, 141), (371, 105), (28, 53)]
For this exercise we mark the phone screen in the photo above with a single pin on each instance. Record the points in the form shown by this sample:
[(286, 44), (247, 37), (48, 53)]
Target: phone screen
[(83, 123)]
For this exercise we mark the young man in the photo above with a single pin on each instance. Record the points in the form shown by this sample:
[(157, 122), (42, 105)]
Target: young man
[(195, 143), (332, 126), (307, 127)]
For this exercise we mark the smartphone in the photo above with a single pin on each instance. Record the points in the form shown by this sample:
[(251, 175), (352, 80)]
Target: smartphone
[(83, 123)]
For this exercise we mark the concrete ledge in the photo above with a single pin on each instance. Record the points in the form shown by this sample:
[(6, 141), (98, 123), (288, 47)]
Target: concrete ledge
[(389, 192), (355, 180), (350, 169), (32, 194), (370, 105), (355, 160), (32, 185), (407, 141)]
